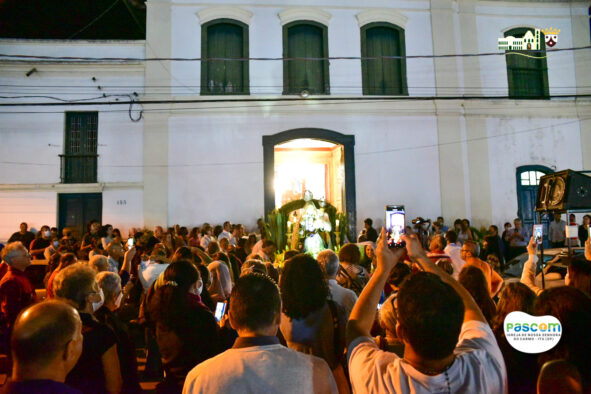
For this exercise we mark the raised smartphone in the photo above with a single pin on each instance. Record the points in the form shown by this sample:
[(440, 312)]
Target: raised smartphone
[(538, 233), (395, 222)]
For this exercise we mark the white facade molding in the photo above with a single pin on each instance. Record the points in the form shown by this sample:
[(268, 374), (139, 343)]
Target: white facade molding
[(304, 14), (70, 187), (235, 13), (384, 15)]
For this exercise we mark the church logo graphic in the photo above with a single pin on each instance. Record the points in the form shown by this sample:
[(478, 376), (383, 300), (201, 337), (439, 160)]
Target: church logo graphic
[(530, 41)]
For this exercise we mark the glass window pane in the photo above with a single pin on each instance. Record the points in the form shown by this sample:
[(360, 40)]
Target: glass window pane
[(524, 179), (532, 178)]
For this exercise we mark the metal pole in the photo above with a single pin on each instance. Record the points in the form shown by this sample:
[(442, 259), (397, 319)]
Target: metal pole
[(569, 244), (542, 253)]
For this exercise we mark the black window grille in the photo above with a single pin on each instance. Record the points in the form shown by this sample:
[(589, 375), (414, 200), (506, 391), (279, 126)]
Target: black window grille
[(79, 161)]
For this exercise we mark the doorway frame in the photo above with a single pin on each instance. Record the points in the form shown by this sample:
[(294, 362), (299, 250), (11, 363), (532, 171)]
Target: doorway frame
[(348, 143)]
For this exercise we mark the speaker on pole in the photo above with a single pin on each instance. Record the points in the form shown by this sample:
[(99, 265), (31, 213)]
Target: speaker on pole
[(564, 190)]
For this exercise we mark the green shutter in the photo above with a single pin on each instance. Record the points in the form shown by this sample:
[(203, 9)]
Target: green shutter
[(383, 76), (526, 75), (305, 40), (228, 40)]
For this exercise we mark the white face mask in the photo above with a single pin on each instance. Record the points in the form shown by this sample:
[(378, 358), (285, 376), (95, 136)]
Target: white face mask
[(47, 233), (198, 290), (96, 305), (118, 300)]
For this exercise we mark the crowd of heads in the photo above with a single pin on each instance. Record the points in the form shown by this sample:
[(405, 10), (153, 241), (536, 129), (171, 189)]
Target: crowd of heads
[(170, 282)]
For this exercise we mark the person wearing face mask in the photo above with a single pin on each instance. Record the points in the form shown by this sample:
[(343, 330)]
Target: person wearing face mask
[(97, 370), (185, 329), (110, 283), (42, 240)]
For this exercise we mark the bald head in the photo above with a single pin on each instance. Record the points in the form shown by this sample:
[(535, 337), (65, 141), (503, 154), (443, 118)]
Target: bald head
[(43, 331)]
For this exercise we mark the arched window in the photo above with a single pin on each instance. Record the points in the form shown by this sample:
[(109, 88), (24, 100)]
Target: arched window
[(383, 76), (527, 75), (305, 39), (224, 39)]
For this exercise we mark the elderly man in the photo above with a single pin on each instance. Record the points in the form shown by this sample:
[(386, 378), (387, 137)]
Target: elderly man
[(258, 362), (46, 344), (115, 253), (343, 296), (16, 291), (469, 254), (99, 262)]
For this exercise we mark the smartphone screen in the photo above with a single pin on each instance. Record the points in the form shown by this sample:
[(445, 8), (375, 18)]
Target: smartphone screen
[(538, 233), (220, 308), (395, 222), (130, 242)]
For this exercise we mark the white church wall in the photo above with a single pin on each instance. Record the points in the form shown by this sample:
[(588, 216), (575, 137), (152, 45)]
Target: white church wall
[(35, 208), (493, 20), (516, 142), (265, 40), (123, 208), (216, 164)]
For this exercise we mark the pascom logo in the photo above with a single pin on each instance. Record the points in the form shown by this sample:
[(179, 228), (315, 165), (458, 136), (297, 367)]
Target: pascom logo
[(532, 334)]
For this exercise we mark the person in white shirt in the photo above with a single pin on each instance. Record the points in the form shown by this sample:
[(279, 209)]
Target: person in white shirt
[(448, 346), (345, 297), (453, 251), (206, 235), (151, 269), (226, 232), (557, 232), (258, 363)]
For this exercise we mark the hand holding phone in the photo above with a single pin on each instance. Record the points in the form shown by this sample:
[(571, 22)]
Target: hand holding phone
[(395, 225), (130, 243), (538, 233)]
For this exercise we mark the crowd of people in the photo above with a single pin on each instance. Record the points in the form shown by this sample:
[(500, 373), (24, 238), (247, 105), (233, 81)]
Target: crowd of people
[(216, 313)]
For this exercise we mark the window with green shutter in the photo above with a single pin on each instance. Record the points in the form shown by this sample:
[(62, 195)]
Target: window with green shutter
[(79, 160), (527, 75), (306, 41), (383, 76), (225, 39)]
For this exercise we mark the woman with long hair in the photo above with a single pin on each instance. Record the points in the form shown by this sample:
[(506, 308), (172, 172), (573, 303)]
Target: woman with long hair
[(311, 322), (185, 329), (522, 370), (473, 279)]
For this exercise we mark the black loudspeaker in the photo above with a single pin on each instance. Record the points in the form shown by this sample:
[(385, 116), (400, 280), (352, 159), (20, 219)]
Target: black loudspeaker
[(563, 191)]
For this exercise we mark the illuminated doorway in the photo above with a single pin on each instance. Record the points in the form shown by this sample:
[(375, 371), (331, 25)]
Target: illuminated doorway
[(329, 170), (313, 165)]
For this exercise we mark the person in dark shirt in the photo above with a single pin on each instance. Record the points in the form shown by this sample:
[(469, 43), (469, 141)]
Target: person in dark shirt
[(46, 344), (91, 240), (370, 233), (185, 329), (98, 369), (42, 240), (584, 229), (24, 236), (16, 291), (108, 314)]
